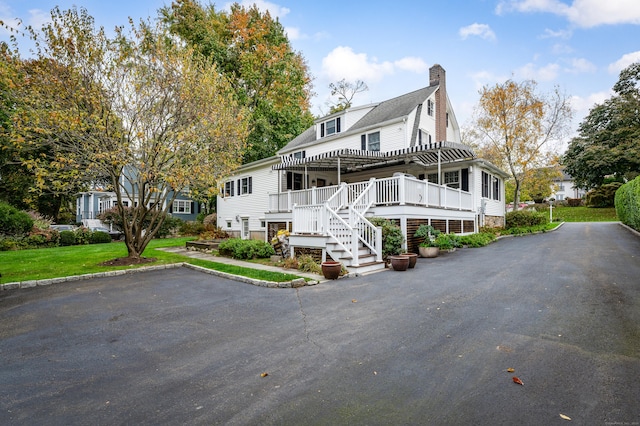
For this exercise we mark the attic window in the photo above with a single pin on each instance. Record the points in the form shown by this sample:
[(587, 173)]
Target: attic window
[(430, 107), (330, 127)]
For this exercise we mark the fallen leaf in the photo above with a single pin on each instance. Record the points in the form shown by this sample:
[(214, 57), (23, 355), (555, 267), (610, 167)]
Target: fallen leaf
[(510, 370), (562, 416), (375, 373), (353, 300), (518, 381), (264, 374)]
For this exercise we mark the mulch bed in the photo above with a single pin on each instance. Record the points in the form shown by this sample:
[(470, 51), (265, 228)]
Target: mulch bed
[(126, 261)]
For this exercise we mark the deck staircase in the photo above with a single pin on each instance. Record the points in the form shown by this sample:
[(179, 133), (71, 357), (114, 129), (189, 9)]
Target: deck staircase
[(340, 227)]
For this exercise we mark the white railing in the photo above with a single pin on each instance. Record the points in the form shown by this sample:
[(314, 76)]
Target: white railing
[(367, 233), (388, 191)]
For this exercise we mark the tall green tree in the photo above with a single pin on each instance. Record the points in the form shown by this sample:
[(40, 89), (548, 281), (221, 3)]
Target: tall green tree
[(139, 110), (608, 141), (520, 129), (253, 52)]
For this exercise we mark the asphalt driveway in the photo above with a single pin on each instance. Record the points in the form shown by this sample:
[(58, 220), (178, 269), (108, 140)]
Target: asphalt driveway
[(426, 346)]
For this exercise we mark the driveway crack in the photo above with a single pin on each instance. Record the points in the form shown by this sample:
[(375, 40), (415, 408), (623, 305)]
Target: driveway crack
[(306, 325)]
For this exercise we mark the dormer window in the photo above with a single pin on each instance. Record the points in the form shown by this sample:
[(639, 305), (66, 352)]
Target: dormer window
[(330, 127)]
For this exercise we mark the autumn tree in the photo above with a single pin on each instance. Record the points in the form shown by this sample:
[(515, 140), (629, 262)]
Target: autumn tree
[(519, 129), (252, 51), (345, 91), (608, 141), (139, 110)]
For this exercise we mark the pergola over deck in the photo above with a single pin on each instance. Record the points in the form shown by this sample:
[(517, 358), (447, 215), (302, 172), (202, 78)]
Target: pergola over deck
[(352, 160)]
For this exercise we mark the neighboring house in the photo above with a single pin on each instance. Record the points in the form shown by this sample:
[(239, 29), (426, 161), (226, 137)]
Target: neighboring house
[(91, 203), (563, 188), (401, 159)]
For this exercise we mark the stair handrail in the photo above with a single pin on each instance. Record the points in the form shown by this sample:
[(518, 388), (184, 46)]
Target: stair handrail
[(368, 234), (332, 216)]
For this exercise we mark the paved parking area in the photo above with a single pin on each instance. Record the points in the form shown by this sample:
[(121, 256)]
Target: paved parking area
[(426, 346)]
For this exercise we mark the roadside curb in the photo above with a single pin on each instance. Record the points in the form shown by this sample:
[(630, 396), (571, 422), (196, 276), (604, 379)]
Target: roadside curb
[(299, 282), (630, 229), (530, 233)]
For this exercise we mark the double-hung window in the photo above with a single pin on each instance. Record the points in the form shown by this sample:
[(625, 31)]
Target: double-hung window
[(490, 186), (330, 127), (430, 107), (229, 189), (181, 207), (370, 142), (424, 137), (245, 186)]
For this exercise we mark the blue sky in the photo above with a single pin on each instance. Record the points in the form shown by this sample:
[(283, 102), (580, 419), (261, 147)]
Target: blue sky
[(578, 45)]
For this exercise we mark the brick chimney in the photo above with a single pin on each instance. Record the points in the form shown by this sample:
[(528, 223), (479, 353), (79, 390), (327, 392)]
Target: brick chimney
[(437, 78)]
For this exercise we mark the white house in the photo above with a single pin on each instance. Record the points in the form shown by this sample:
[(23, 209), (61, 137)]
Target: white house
[(563, 188), (401, 159)]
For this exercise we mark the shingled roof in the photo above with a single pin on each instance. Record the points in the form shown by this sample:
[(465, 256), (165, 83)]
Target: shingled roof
[(395, 108)]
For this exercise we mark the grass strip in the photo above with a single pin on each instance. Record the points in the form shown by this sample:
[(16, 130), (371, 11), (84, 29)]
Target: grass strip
[(57, 262)]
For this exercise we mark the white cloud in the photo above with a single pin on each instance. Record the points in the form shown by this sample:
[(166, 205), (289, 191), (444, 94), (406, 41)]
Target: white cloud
[(485, 78), (582, 105), (583, 13), (565, 34), (624, 62), (293, 33), (276, 11), (530, 72), (413, 64), (38, 18), (343, 62), (580, 65), (481, 30), (561, 49)]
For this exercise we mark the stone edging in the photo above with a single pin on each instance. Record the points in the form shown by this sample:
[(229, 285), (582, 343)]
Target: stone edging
[(299, 282)]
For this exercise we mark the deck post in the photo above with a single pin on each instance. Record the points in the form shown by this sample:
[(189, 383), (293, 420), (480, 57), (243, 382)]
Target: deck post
[(401, 194)]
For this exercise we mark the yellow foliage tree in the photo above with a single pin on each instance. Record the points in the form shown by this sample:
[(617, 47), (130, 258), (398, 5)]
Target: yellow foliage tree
[(519, 129), (138, 110)]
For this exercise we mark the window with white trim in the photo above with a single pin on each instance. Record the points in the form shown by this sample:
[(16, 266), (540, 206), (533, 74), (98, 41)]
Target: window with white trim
[(430, 107), (370, 142), (424, 137), (452, 179), (490, 186), (181, 207), (299, 155), (246, 185), (330, 127), (229, 189)]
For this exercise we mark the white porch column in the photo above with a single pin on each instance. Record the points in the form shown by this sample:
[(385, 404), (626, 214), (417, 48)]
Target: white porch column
[(338, 170)]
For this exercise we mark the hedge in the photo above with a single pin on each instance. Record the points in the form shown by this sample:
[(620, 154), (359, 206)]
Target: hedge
[(14, 222), (627, 202), (524, 218)]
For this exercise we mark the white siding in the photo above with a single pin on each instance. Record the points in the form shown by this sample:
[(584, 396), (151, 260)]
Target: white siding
[(254, 205)]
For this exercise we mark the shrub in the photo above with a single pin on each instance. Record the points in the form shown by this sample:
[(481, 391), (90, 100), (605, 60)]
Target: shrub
[(83, 235), (574, 202), (428, 234), (212, 232), (306, 263), (392, 237), (99, 237), (191, 228), (14, 222), (290, 263), (627, 202), (448, 241), (603, 196), (170, 225), (211, 219), (67, 238), (245, 249), (477, 240), (524, 218)]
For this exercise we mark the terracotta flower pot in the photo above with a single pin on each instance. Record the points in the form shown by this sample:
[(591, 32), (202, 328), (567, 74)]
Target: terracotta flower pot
[(399, 263), (331, 269), (413, 258)]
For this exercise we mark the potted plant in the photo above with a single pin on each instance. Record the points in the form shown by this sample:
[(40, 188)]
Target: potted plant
[(331, 269), (448, 242), (413, 258), (428, 246), (399, 262)]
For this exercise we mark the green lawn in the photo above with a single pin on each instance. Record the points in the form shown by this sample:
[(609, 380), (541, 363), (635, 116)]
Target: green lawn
[(38, 264), (584, 214)]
